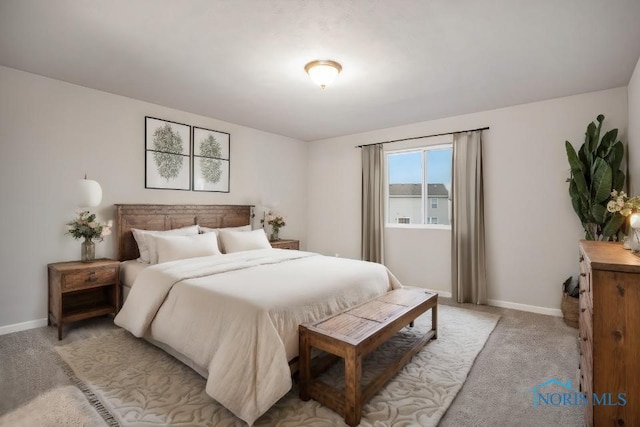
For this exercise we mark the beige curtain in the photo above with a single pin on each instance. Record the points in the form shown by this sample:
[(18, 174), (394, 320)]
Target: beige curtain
[(467, 241), (372, 203)]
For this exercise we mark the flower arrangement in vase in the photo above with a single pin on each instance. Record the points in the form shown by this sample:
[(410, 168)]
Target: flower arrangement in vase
[(87, 227), (276, 222), (627, 206)]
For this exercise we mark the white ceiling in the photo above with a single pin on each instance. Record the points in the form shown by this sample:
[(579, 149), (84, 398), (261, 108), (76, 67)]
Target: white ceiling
[(404, 61)]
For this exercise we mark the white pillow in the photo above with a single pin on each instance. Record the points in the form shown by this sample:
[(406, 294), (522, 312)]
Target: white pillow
[(217, 232), (147, 246), (236, 241), (171, 248)]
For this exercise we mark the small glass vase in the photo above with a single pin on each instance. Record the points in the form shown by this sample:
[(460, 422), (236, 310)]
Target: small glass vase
[(87, 250), (274, 235)]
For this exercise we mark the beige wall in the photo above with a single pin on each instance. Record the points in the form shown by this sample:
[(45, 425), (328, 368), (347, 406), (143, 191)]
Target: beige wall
[(633, 93), (52, 132), (532, 231)]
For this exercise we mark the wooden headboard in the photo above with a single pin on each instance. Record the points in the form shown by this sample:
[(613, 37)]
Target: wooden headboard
[(167, 217)]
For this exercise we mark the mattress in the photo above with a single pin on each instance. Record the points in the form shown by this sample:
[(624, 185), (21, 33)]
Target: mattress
[(129, 271)]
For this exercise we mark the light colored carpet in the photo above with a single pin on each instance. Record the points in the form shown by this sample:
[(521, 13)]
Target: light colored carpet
[(61, 406), (143, 386)]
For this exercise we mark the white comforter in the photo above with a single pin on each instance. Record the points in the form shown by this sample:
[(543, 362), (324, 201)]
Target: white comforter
[(237, 315)]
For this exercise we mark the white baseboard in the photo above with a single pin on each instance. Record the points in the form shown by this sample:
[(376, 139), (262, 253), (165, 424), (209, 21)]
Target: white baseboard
[(506, 304), (38, 323), (442, 294), (525, 307), (17, 327)]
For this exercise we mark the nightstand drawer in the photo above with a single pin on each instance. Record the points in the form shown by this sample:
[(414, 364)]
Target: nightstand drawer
[(285, 244), (88, 278)]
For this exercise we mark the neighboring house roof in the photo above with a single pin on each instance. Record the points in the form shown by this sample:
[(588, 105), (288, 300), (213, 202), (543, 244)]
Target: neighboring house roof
[(437, 190), (433, 190), (405, 189)]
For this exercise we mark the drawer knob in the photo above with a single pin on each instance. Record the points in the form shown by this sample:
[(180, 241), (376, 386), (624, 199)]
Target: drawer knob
[(91, 272)]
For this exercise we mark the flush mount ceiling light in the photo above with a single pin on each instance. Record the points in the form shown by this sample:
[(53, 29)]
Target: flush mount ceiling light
[(323, 72)]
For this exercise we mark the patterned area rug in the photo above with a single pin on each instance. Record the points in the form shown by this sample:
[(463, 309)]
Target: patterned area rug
[(141, 385), (61, 406)]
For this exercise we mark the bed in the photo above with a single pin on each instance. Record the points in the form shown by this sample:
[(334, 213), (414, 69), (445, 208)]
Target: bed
[(234, 317)]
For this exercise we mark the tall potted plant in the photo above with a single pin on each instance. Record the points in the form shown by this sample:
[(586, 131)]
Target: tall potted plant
[(595, 177), (595, 173)]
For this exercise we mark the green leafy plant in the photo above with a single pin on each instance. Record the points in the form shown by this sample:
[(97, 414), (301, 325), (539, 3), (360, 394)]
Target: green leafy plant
[(595, 174)]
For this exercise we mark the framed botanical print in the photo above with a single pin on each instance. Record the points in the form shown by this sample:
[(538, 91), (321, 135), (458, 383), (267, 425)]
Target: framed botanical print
[(211, 160), (167, 154)]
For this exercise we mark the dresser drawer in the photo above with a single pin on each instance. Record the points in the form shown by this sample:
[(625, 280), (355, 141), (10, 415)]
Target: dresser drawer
[(585, 322), (586, 374), (88, 278), (585, 289)]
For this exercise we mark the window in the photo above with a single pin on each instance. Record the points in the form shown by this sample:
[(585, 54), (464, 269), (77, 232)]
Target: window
[(419, 185)]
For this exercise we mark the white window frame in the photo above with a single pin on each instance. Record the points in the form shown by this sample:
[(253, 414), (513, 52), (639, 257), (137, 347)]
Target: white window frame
[(422, 149), (432, 201)]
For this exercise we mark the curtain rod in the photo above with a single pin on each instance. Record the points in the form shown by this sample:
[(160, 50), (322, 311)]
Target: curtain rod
[(424, 136)]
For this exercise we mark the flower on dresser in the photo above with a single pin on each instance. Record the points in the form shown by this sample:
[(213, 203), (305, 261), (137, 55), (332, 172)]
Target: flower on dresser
[(627, 207), (622, 203), (87, 227)]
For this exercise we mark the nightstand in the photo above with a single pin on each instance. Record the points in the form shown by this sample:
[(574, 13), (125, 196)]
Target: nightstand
[(81, 290), (285, 244)]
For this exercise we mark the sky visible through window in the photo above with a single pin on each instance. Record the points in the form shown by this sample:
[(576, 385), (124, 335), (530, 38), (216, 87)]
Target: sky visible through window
[(404, 168)]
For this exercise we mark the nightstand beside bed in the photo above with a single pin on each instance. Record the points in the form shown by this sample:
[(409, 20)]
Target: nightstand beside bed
[(285, 244), (82, 290)]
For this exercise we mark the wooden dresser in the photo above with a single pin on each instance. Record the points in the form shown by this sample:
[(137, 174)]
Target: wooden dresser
[(610, 334)]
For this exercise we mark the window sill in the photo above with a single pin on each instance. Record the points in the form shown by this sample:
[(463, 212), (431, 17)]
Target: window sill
[(420, 226)]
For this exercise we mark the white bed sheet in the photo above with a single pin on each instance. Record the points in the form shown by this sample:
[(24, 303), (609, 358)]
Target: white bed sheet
[(236, 316), (129, 271)]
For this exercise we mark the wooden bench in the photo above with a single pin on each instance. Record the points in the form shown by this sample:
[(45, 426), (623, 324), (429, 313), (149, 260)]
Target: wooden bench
[(354, 333)]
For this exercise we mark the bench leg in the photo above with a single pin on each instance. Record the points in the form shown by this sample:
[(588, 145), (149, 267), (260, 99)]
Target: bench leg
[(305, 366), (352, 390), (434, 321)]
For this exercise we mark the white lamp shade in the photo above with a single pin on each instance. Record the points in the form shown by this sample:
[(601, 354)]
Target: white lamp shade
[(634, 221), (323, 72), (90, 193)]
